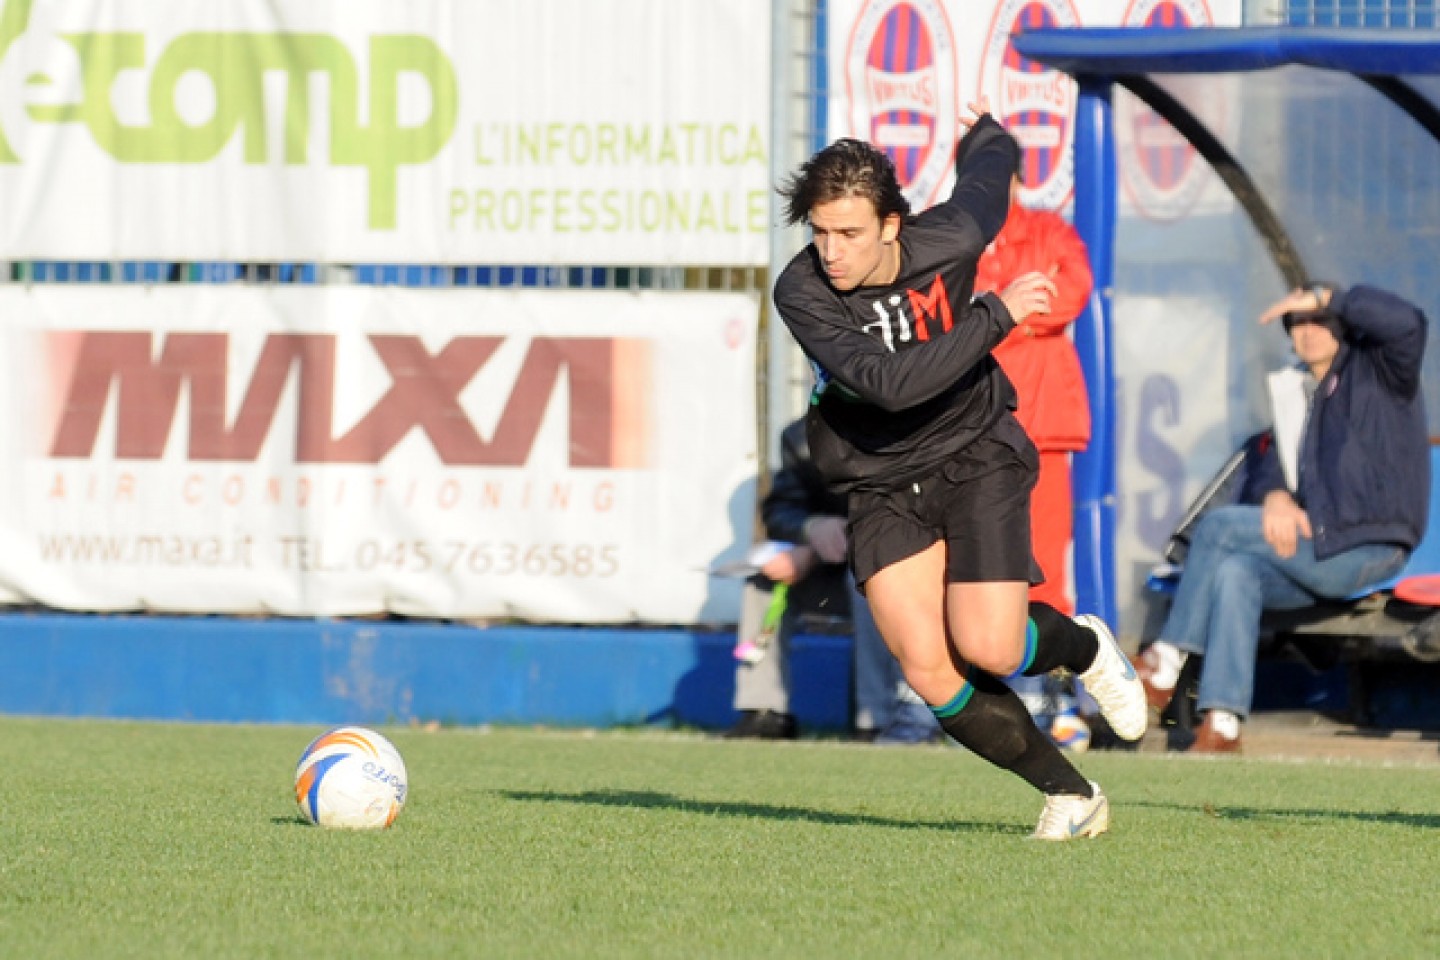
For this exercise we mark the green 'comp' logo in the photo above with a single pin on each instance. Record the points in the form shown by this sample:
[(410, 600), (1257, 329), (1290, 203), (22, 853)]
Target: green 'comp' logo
[(236, 65)]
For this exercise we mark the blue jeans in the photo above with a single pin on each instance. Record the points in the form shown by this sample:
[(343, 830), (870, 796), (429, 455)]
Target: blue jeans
[(1232, 575), (877, 673)]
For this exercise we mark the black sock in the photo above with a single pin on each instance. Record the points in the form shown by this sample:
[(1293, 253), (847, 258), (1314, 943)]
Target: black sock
[(994, 724), (1058, 642)]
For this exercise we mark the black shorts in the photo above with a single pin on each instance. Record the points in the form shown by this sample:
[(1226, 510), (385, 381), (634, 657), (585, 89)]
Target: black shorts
[(978, 503)]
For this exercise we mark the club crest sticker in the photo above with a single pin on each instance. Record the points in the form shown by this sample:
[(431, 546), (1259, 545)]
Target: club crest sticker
[(1036, 104), (1160, 172), (900, 77)]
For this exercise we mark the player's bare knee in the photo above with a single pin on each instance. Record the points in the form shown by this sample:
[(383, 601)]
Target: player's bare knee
[(1000, 663), (933, 682)]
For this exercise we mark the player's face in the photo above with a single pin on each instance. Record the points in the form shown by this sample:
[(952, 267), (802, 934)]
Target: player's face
[(856, 247), (1314, 345)]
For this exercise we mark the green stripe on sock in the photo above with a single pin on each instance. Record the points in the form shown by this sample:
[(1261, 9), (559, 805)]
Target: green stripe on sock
[(1032, 637), (956, 704)]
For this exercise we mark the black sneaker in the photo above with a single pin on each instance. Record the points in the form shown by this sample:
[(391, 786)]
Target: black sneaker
[(763, 725)]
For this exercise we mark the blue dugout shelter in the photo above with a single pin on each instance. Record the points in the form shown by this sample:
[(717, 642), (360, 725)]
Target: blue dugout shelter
[(1214, 169)]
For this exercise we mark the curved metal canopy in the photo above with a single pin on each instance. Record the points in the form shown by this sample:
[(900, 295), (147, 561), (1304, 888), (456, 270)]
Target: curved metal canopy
[(1128, 56), (1118, 51)]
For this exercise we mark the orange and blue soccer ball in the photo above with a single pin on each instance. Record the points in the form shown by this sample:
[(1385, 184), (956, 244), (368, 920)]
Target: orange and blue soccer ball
[(1070, 732), (351, 777)]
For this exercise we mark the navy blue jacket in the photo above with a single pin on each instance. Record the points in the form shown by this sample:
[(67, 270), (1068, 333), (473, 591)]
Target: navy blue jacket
[(1365, 459)]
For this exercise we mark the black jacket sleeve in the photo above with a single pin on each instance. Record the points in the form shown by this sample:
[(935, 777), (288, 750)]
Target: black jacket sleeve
[(1267, 476), (797, 492), (985, 163), (899, 380), (1377, 319), (787, 506)]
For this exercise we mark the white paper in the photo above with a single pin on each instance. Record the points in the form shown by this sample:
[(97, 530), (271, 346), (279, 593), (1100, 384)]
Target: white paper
[(759, 555), (1290, 406)]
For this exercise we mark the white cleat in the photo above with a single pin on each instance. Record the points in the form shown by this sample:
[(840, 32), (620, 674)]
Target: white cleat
[(1112, 681), (1071, 817)]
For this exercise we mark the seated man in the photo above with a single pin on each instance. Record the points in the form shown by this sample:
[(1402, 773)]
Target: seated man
[(1344, 494)]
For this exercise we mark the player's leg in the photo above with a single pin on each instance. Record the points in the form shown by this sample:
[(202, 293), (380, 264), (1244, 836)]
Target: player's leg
[(908, 600), (904, 569), (907, 603), (1042, 640), (996, 718), (987, 523)]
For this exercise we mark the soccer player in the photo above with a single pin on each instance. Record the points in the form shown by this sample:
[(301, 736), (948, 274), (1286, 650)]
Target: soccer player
[(912, 419)]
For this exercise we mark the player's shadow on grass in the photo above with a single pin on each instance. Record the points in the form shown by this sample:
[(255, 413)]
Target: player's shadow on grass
[(1429, 821), (645, 799)]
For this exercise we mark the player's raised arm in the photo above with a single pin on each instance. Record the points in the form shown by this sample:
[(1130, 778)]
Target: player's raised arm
[(985, 160)]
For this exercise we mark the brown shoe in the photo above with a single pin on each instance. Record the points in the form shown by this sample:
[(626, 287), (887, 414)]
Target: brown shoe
[(1207, 740), (1157, 697)]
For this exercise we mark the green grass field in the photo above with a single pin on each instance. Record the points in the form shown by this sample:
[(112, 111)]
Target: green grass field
[(150, 840)]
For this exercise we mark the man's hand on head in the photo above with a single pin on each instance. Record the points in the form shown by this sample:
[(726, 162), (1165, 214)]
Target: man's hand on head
[(1300, 300)]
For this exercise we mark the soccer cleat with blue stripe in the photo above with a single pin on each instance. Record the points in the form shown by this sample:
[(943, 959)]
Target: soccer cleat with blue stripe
[(1072, 817), (1114, 684)]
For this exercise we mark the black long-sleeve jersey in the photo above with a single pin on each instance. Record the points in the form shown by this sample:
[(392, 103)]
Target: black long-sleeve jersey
[(904, 376)]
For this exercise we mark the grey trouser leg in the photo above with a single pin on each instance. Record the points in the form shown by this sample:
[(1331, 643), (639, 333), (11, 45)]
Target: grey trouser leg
[(877, 673), (764, 685)]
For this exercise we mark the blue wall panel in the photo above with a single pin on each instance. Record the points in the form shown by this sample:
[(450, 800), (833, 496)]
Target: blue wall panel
[(332, 672)]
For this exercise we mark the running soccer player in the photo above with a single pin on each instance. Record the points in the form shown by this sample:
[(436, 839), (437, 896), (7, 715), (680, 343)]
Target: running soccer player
[(912, 420)]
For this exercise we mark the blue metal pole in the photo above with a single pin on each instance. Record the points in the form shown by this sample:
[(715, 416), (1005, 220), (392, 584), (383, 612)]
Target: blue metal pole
[(1094, 469)]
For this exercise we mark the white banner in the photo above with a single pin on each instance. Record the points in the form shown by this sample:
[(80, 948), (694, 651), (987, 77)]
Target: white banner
[(903, 71), (552, 456), (433, 131), (1171, 433)]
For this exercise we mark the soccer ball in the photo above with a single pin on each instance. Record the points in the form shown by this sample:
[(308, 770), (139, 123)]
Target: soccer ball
[(351, 777), (1070, 732)]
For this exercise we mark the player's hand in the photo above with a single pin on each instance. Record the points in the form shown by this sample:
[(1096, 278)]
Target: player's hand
[(1027, 295), (977, 110), (792, 566), (827, 535), (1284, 522), (1296, 301)]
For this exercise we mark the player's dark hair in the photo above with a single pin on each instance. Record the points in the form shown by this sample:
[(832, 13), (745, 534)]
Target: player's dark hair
[(846, 168)]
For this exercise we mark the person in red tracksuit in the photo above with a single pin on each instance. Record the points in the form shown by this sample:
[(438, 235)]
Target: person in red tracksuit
[(1041, 362)]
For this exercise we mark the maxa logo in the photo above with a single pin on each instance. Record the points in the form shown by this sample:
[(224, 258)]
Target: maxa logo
[(1159, 170), (1035, 103), (900, 79), (608, 383)]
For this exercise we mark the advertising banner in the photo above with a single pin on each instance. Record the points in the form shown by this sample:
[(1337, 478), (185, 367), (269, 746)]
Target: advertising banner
[(553, 456), (903, 71), (435, 131), (1172, 426)]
